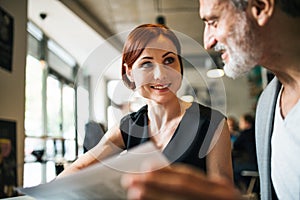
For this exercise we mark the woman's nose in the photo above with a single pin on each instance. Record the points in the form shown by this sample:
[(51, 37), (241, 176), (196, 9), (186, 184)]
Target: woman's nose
[(159, 72)]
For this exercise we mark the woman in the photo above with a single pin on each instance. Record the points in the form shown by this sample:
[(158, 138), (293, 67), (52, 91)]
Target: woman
[(185, 132)]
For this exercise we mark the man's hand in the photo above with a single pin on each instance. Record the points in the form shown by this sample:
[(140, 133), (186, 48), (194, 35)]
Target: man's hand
[(177, 182)]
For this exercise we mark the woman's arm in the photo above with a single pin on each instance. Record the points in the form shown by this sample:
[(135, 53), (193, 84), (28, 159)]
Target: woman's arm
[(219, 164), (111, 143)]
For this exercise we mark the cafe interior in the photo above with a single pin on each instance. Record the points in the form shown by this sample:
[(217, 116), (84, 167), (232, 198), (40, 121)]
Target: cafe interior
[(60, 78)]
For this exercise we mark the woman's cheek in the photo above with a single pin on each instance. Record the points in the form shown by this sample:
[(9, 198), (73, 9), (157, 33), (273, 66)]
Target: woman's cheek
[(142, 78)]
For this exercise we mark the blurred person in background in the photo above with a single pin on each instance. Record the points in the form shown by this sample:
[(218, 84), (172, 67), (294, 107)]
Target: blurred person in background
[(244, 151), (233, 129)]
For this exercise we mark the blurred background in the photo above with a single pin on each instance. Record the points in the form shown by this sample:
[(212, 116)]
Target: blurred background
[(60, 76)]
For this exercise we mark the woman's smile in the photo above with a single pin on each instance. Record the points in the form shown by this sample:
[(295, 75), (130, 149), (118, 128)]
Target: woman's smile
[(161, 86)]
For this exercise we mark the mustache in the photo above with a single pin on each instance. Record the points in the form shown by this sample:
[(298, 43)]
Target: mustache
[(219, 47)]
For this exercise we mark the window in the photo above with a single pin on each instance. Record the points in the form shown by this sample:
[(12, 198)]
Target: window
[(34, 99), (54, 115), (50, 133)]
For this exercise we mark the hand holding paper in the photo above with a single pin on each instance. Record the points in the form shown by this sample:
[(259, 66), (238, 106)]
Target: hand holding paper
[(100, 181)]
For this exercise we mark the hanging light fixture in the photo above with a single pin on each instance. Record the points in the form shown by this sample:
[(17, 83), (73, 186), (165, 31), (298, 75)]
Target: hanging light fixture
[(43, 43), (160, 19)]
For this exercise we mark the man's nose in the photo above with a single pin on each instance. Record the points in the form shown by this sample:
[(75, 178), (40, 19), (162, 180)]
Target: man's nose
[(209, 39)]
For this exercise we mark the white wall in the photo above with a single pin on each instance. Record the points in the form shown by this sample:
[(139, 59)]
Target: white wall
[(12, 84)]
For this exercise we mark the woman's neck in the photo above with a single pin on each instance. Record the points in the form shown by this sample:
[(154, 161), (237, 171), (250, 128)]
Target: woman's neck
[(164, 119), (163, 113)]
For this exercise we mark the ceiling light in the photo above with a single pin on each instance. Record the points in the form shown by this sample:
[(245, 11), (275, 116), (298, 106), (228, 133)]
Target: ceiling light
[(215, 73)]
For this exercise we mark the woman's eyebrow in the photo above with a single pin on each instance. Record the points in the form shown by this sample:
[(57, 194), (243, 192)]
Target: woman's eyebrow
[(168, 54), (146, 57)]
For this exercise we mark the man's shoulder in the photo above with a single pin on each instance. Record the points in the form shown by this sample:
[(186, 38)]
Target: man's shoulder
[(269, 93)]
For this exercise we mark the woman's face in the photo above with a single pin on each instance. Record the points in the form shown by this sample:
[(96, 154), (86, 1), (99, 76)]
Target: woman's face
[(157, 72)]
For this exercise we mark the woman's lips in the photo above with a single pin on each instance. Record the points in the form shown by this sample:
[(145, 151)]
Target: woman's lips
[(161, 86)]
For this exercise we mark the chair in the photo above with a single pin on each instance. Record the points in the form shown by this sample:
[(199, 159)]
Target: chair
[(93, 134), (250, 194)]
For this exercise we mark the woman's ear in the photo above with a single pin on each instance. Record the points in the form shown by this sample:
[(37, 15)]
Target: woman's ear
[(128, 72), (262, 10)]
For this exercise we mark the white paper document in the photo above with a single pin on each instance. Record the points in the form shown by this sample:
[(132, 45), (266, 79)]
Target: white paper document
[(100, 181)]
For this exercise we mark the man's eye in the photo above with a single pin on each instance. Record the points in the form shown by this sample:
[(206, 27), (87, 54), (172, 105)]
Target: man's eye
[(146, 65), (169, 60), (212, 23)]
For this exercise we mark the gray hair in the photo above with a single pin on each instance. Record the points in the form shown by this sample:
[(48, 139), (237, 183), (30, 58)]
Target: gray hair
[(290, 7), (240, 4)]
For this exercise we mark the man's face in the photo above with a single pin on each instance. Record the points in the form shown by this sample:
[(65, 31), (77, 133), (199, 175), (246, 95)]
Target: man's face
[(229, 31)]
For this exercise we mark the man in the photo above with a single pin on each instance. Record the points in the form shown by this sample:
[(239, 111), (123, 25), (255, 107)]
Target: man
[(247, 33)]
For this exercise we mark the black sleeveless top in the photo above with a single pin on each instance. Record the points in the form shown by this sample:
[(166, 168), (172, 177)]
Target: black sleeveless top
[(190, 141)]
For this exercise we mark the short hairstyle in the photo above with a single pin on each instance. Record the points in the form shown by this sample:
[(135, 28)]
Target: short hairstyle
[(240, 4), (290, 7), (137, 41), (249, 118)]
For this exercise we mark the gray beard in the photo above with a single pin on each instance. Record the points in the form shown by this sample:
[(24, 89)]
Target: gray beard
[(243, 48)]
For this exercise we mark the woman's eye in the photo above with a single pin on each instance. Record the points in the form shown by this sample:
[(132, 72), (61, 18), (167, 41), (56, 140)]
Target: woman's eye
[(169, 60), (146, 65)]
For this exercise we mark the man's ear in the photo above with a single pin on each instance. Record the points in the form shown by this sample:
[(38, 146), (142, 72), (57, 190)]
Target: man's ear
[(129, 72), (262, 10)]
